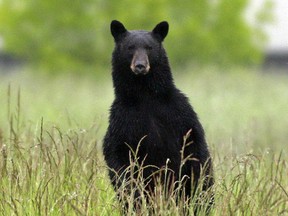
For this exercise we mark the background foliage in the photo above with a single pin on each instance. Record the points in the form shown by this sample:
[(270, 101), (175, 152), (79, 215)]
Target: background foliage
[(70, 35)]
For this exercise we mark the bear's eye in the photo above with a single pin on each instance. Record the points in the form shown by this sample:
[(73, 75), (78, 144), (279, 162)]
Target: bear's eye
[(132, 47), (148, 47)]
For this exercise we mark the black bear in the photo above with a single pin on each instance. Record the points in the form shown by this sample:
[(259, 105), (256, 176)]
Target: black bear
[(149, 107)]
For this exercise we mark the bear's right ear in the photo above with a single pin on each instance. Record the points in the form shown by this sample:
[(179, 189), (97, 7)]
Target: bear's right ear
[(117, 29)]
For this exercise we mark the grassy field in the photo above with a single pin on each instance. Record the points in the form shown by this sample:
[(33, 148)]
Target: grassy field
[(51, 130)]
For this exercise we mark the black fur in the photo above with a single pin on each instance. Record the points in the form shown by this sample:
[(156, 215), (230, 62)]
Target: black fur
[(150, 105)]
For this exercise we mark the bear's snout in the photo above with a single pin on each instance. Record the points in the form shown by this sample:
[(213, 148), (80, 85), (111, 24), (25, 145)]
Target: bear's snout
[(140, 63)]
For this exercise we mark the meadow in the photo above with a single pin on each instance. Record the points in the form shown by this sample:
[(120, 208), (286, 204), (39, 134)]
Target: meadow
[(51, 131)]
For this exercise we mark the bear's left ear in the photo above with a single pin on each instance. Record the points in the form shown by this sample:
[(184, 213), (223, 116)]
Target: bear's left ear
[(117, 29), (161, 30)]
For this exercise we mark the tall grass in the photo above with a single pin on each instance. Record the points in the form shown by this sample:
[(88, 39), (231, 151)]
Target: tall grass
[(51, 131)]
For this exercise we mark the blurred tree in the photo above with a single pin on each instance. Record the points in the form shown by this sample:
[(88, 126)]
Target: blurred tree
[(62, 34)]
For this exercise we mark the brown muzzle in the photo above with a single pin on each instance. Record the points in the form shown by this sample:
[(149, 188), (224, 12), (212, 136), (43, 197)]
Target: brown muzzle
[(140, 63)]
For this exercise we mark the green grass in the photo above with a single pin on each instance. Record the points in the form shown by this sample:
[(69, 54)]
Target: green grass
[(51, 130)]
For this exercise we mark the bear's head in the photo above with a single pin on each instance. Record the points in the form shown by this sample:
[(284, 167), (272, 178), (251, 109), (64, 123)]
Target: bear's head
[(138, 51)]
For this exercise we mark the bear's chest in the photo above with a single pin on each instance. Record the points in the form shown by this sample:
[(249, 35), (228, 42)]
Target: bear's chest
[(155, 125)]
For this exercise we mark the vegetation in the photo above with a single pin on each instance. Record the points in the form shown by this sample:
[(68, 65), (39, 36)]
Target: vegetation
[(70, 36), (51, 130)]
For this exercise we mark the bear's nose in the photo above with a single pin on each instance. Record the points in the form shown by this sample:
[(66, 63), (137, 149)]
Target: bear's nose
[(140, 67), (140, 63)]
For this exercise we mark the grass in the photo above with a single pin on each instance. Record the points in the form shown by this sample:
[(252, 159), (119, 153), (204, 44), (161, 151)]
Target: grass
[(51, 130)]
